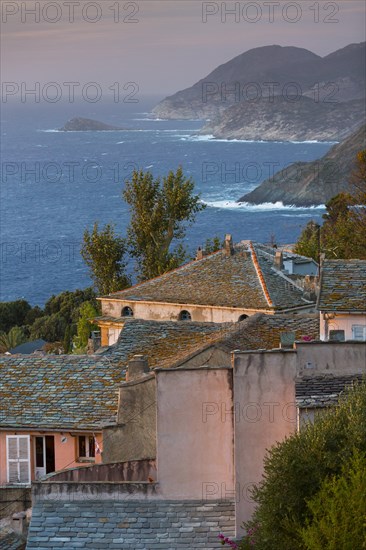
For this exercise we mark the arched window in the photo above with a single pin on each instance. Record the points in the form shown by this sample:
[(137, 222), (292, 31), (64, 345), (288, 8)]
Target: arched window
[(127, 312), (242, 317), (185, 316)]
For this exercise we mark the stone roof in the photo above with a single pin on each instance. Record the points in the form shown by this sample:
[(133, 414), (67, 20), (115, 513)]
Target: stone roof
[(322, 390), (245, 279), (262, 331), (128, 524), (11, 541), (343, 286), (162, 341), (81, 392), (58, 391)]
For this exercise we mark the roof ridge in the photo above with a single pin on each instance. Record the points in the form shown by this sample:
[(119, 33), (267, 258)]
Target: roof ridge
[(137, 285), (260, 274)]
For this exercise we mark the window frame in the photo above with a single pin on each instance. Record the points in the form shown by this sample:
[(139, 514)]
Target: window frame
[(87, 442), (18, 460), (363, 327)]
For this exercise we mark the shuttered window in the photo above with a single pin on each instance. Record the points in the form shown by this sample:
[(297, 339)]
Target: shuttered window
[(18, 458), (359, 332)]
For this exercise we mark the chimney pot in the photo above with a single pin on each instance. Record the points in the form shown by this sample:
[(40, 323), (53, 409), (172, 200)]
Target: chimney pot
[(229, 246), (137, 367), (278, 260), (199, 255)]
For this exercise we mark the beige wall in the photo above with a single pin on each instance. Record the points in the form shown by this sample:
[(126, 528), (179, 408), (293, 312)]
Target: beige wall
[(65, 453), (340, 322), (195, 448), (343, 358), (134, 435), (265, 413), (170, 312)]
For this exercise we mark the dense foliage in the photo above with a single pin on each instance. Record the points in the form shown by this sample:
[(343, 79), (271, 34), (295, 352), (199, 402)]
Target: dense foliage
[(103, 252), (342, 234), (160, 210), (57, 322), (313, 485)]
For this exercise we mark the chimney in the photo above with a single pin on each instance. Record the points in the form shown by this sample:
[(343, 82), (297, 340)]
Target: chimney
[(287, 340), (19, 523), (229, 247), (278, 260), (199, 255), (137, 367)]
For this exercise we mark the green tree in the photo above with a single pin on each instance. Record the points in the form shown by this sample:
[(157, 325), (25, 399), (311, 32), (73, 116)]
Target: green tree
[(213, 245), (160, 211), (84, 327), (338, 510), (295, 470), (49, 327), (308, 243), (103, 252), (67, 339), (12, 339), (17, 313)]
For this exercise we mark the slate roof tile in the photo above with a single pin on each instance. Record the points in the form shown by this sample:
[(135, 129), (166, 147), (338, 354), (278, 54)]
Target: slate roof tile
[(322, 390), (343, 286), (221, 280)]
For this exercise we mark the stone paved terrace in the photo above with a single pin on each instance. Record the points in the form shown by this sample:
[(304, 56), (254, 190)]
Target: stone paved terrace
[(125, 516)]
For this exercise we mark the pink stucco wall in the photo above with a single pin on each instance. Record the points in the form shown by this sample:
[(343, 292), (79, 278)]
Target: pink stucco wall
[(65, 453), (194, 447), (265, 413)]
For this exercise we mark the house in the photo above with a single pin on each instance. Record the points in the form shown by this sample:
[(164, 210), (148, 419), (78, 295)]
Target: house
[(214, 425), (342, 300), (227, 286), (125, 441), (53, 408)]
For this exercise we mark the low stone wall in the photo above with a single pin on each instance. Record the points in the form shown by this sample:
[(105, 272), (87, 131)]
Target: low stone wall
[(133, 524), (14, 499), (134, 470)]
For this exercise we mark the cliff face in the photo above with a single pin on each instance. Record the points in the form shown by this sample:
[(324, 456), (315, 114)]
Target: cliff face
[(250, 82), (87, 125), (300, 119), (312, 183)]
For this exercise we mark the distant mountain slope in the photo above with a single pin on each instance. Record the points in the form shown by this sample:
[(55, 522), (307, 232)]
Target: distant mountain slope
[(312, 183), (242, 98), (253, 70), (284, 120)]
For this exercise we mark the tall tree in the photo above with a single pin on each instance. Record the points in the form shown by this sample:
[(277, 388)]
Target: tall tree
[(160, 211), (103, 252), (86, 313), (308, 243)]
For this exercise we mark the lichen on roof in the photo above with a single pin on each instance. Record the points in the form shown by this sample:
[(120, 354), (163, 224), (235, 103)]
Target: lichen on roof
[(343, 286), (238, 280)]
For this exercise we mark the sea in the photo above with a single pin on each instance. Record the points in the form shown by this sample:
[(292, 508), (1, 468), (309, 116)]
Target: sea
[(56, 184)]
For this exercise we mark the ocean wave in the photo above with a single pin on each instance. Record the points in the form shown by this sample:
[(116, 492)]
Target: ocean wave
[(211, 137), (265, 206)]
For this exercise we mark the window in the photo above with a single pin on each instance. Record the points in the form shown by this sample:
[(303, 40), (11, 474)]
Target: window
[(18, 458), (127, 312), (86, 447), (242, 317), (185, 316), (336, 335), (359, 332)]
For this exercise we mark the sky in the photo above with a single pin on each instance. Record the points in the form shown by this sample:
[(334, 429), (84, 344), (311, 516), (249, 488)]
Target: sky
[(161, 46)]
